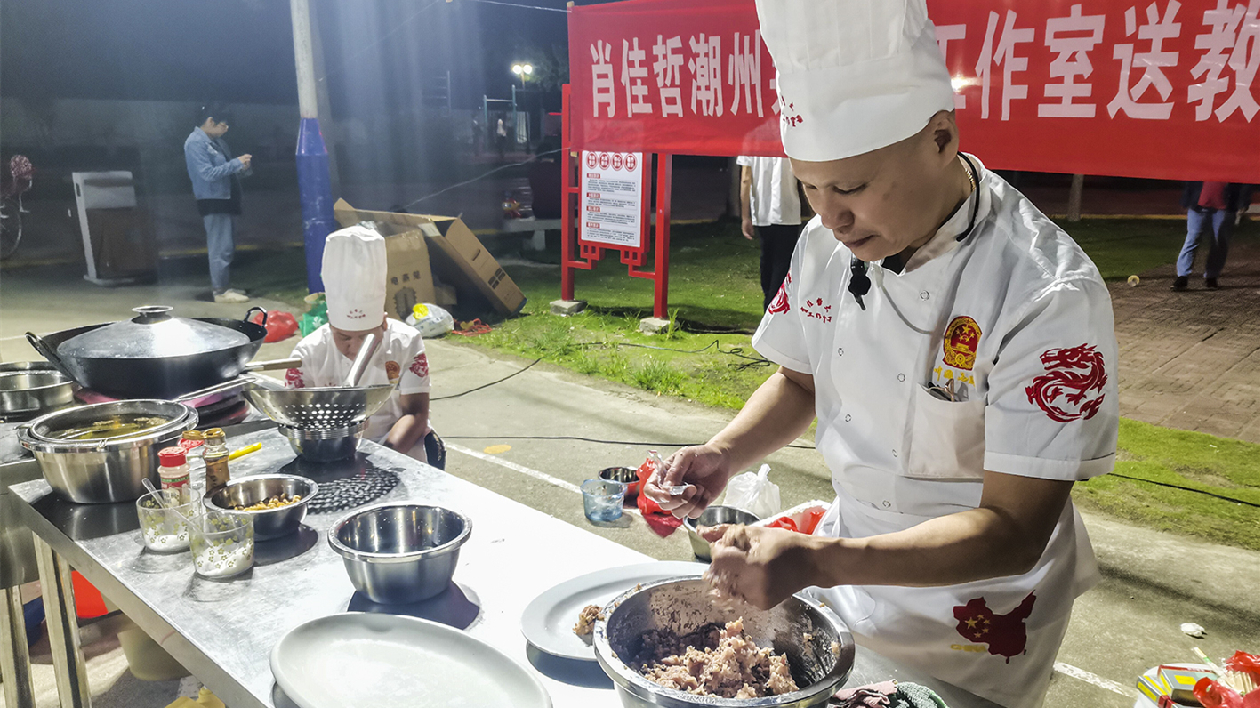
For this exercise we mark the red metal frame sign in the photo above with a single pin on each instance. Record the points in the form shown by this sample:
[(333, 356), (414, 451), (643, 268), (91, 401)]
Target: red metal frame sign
[(1140, 88), (580, 253), (615, 202)]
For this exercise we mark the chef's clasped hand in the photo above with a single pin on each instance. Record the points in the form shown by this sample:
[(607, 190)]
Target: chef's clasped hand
[(761, 566), (702, 468)]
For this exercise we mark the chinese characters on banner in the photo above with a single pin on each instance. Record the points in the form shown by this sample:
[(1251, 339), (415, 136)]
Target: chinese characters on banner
[(1141, 88), (612, 203)]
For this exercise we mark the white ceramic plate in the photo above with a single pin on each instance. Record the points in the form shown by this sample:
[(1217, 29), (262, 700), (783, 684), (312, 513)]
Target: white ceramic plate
[(548, 621), (359, 660)]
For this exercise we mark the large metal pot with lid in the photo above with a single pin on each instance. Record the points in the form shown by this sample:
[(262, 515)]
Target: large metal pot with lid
[(154, 355), (102, 453)]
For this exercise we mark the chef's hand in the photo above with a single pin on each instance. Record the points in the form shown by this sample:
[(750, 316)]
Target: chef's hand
[(761, 566), (749, 230), (245, 160), (705, 469)]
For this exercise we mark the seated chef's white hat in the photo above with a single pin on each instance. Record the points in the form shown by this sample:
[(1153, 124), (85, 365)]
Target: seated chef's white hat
[(853, 75), (354, 273)]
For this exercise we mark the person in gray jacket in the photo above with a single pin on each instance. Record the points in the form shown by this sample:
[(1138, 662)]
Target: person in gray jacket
[(216, 184)]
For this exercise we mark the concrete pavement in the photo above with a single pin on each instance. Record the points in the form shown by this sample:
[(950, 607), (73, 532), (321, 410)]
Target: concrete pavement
[(1191, 360)]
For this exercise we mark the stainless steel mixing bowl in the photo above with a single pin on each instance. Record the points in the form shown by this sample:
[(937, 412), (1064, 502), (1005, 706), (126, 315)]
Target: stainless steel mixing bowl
[(324, 445), (713, 516), (33, 388), (270, 523), (399, 552), (108, 470), (683, 605)]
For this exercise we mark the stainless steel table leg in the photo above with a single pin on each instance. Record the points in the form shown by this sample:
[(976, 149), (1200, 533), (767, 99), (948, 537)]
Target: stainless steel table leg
[(15, 661), (63, 628)]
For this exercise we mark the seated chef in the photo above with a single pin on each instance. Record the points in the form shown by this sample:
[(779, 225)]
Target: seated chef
[(355, 273)]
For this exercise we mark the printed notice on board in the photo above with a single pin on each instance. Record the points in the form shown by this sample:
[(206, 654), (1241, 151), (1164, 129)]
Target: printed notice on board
[(612, 198)]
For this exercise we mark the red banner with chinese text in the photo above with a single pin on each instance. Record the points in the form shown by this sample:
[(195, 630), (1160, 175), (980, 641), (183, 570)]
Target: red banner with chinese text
[(1155, 89)]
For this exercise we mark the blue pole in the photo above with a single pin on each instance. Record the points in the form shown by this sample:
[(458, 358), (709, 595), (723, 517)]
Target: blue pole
[(317, 202)]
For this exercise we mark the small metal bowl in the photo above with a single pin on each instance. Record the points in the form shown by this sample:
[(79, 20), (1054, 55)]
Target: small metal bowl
[(818, 645), (399, 552), (270, 523), (32, 387), (713, 516), (324, 445), (626, 475)]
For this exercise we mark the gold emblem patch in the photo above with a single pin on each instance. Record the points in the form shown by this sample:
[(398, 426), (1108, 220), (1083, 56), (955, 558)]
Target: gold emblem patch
[(962, 339)]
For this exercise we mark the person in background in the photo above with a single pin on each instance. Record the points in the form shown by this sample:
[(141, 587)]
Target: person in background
[(355, 273), (500, 138), (1214, 206), (216, 182), (770, 206)]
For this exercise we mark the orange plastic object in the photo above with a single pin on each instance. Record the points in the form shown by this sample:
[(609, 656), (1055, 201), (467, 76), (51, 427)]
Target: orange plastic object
[(88, 602)]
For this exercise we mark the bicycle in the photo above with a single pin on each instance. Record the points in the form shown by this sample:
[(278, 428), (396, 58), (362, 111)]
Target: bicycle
[(20, 180)]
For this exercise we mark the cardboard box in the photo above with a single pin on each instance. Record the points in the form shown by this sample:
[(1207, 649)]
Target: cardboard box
[(411, 278), (457, 256)]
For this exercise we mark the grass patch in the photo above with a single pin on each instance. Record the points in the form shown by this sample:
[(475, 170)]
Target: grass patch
[(1158, 468), (1124, 247)]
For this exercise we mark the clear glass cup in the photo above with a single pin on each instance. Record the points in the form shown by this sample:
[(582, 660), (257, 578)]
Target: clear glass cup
[(602, 499), (222, 544), (166, 529)]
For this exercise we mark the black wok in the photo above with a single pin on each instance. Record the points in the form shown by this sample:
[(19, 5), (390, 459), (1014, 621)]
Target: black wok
[(154, 376)]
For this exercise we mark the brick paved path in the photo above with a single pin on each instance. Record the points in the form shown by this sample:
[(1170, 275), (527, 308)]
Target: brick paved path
[(1191, 360)]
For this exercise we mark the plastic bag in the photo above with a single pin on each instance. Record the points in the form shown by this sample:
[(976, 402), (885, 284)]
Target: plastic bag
[(315, 317), (754, 493), (280, 325), (430, 320)]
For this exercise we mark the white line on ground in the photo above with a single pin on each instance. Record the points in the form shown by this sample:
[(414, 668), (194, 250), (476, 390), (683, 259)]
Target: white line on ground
[(1066, 669), (515, 467), (1083, 675)]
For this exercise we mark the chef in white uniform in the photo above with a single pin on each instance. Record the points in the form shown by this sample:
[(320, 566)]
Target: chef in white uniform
[(958, 352), (355, 274)]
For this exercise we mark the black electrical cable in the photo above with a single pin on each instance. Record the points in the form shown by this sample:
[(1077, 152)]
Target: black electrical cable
[(1187, 489), (485, 386)]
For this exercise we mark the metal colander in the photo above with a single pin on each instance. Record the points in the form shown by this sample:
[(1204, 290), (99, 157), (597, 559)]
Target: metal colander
[(319, 408)]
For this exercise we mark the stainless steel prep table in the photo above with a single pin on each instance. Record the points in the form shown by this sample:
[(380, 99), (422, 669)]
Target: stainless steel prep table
[(223, 631)]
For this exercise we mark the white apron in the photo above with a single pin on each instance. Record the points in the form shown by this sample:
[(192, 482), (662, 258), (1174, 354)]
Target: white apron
[(1017, 321)]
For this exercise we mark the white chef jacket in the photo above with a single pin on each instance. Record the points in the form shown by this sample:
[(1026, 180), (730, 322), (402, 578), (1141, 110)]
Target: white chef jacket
[(775, 198), (1018, 318), (400, 359)]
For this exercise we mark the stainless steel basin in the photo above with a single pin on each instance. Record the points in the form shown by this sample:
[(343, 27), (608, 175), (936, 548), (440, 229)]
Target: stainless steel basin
[(400, 552)]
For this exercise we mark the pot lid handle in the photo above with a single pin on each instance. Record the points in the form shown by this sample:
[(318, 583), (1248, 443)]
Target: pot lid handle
[(152, 314)]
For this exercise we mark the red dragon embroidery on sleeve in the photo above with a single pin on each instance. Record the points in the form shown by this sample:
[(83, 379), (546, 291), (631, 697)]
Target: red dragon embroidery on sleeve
[(293, 378), (780, 303), (1071, 388), (420, 365)]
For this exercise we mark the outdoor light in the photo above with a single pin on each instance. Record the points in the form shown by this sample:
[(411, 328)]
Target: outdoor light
[(528, 69), (517, 69)]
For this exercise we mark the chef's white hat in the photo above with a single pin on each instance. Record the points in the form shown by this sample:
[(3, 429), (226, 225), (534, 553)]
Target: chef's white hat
[(853, 75), (354, 273)]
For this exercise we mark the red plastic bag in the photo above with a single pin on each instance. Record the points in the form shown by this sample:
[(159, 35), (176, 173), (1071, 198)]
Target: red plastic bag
[(1243, 662), (647, 506), (1216, 694), (280, 325), (784, 523)]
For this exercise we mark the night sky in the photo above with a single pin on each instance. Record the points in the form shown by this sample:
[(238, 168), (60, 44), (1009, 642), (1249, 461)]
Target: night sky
[(242, 50)]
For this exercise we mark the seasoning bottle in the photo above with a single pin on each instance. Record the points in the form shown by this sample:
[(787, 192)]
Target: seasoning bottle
[(216, 457), (173, 467), (192, 439)]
